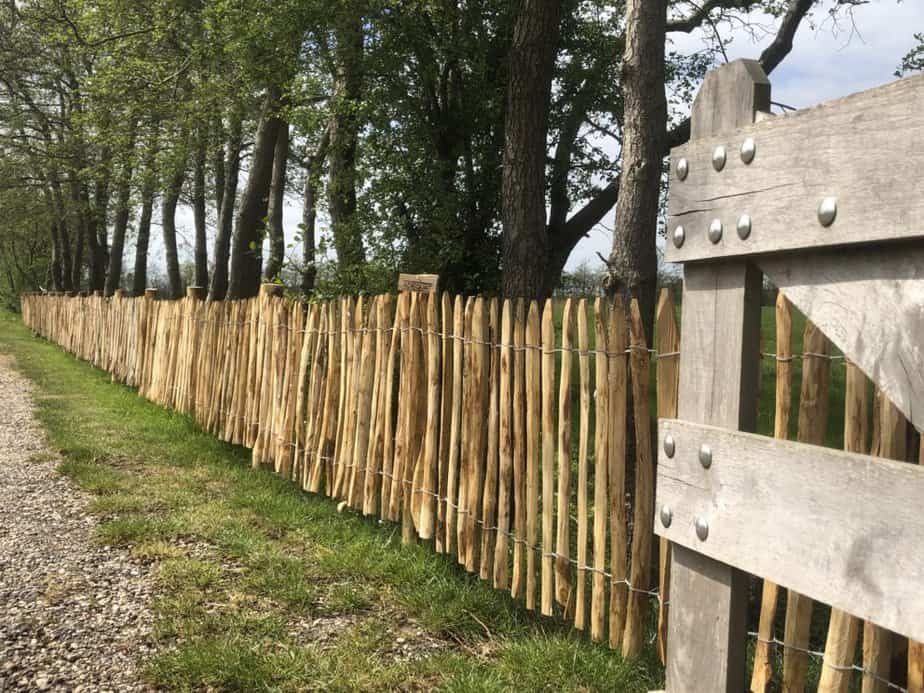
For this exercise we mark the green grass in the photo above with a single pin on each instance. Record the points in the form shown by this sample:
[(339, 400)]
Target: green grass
[(264, 587)]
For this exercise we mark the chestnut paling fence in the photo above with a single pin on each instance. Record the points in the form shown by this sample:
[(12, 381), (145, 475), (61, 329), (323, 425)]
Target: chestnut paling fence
[(498, 429)]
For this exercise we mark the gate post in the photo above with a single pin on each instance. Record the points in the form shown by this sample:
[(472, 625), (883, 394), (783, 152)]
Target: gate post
[(719, 361)]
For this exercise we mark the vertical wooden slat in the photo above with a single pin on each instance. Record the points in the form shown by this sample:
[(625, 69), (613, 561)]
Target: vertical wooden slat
[(477, 447), (465, 436), (668, 382), (563, 537), (446, 391), (517, 577), (489, 497), (366, 370), (642, 526), (580, 594), (813, 418), (506, 448), (844, 629), (376, 442), (548, 456), (428, 461), (388, 434), (763, 672), (601, 477), (617, 399), (452, 466), (533, 422), (411, 420)]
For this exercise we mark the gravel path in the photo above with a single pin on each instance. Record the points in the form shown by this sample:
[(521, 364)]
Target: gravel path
[(73, 614)]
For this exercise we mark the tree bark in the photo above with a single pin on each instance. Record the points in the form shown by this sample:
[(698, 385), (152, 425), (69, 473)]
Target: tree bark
[(120, 225), (140, 276), (168, 224), (230, 172), (276, 203), (201, 277), (247, 243), (633, 263), (529, 82), (313, 170), (341, 185)]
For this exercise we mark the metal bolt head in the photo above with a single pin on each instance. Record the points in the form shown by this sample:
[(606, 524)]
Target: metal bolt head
[(669, 445), (827, 211), (667, 515), (715, 230), (683, 169), (748, 150), (705, 456), (679, 236), (719, 156), (744, 226), (702, 528)]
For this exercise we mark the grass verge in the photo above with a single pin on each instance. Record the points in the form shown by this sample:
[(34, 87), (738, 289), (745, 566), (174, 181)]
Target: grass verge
[(264, 587)]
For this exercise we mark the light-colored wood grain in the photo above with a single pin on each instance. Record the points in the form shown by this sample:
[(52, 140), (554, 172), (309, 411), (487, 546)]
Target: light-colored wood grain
[(452, 468), (505, 475), (916, 647), (667, 334), (640, 568), (423, 283), (412, 420), (533, 424), (563, 583), (462, 536), (856, 149), (601, 478), (489, 497), (764, 500), (580, 592), (548, 457), (617, 366), (446, 361), (844, 292), (813, 419), (429, 460), (478, 376), (762, 669)]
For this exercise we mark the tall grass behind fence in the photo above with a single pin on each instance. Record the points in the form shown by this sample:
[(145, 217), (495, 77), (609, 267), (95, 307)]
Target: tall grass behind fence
[(496, 429)]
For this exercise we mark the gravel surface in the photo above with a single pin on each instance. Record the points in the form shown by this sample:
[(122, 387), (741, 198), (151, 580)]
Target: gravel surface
[(73, 614)]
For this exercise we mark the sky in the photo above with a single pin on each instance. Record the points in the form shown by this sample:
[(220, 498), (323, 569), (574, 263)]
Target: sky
[(829, 59)]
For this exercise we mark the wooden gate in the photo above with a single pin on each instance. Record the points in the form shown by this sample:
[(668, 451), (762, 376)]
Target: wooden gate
[(827, 203)]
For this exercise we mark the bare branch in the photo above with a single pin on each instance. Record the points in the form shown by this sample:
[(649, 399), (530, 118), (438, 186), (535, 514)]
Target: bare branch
[(701, 14)]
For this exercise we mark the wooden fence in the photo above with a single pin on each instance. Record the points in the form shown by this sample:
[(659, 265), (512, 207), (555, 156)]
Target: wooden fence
[(498, 429), (481, 429)]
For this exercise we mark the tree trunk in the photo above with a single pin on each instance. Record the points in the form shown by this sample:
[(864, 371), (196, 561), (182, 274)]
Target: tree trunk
[(140, 277), (201, 277), (341, 186), (276, 202), (313, 170), (168, 223), (247, 243), (120, 224), (523, 209), (57, 273), (226, 198), (633, 263)]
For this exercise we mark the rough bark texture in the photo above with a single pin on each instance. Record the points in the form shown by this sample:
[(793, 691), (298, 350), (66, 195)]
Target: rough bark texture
[(123, 199), (140, 277), (341, 186), (201, 257), (247, 244), (230, 171), (529, 81), (276, 203), (168, 224), (633, 263), (313, 169)]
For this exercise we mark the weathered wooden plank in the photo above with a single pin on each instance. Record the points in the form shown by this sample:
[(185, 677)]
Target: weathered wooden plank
[(563, 536), (580, 593), (533, 415), (601, 480), (765, 500), (548, 457), (617, 397), (844, 291), (864, 150)]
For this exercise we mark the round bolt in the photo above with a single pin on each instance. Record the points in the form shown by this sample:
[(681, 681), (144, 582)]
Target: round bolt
[(705, 456), (679, 236), (827, 211), (702, 528), (715, 230), (669, 445), (719, 155), (748, 150), (683, 168), (744, 226), (667, 515)]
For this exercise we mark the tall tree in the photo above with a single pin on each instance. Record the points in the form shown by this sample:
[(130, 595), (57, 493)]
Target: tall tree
[(227, 175), (277, 203)]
